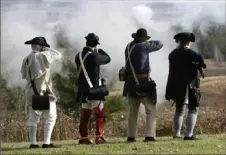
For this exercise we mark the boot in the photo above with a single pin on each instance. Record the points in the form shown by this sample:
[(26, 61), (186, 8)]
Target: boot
[(100, 131), (100, 140), (85, 141), (190, 138), (32, 146), (131, 139), (149, 139), (100, 125), (51, 145), (84, 126)]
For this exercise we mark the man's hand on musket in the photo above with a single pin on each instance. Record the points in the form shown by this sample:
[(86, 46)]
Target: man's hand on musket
[(202, 73)]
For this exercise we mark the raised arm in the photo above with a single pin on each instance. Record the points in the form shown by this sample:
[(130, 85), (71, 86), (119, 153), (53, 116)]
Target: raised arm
[(152, 46), (101, 58), (23, 68), (51, 55)]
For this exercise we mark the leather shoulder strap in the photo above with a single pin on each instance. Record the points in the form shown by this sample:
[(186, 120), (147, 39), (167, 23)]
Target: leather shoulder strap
[(32, 81)]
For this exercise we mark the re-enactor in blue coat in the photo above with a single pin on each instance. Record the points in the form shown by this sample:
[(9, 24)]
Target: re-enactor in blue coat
[(140, 59)]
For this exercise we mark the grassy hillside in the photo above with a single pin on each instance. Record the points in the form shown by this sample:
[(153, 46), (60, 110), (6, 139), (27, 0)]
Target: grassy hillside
[(208, 144)]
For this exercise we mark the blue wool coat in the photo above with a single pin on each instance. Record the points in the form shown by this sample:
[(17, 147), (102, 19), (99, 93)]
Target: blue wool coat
[(92, 65), (140, 59)]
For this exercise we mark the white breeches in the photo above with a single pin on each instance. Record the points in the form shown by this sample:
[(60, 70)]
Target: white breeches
[(150, 109), (34, 117), (93, 104), (49, 116)]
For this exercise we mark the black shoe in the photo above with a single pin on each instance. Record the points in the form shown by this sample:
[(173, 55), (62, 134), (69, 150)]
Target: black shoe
[(32, 146), (190, 138), (149, 139), (48, 146), (131, 139), (177, 137), (100, 140), (103, 140)]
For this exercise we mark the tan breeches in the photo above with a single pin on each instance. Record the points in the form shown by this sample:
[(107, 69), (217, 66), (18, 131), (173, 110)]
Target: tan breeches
[(150, 110)]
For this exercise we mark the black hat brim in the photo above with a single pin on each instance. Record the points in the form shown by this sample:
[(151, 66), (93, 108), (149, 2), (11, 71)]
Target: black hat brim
[(134, 35), (87, 38), (192, 37), (183, 36), (30, 42)]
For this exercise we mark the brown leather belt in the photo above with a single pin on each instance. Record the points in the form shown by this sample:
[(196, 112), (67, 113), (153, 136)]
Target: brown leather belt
[(139, 76)]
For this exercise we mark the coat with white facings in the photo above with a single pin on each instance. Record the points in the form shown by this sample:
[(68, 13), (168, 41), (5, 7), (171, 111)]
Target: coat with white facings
[(92, 65), (140, 60), (39, 65)]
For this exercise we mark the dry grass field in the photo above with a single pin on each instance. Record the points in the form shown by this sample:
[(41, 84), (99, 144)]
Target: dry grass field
[(213, 83)]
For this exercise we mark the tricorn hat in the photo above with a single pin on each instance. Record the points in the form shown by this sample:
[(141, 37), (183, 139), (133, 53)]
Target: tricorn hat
[(141, 34), (38, 41), (183, 36), (92, 37)]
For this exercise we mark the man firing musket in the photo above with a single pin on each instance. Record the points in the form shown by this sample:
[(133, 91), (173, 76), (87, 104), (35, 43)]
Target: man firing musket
[(40, 99), (183, 85), (139, 86), (91, 88)]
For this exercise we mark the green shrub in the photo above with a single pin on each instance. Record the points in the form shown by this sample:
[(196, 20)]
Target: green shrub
[(116, 108)]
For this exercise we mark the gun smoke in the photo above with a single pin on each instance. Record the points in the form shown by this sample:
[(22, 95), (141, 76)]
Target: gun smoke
[(113, 21)]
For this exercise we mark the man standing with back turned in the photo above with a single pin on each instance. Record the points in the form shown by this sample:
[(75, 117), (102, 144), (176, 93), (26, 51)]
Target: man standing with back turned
[(36, 70), (183, 83), (89, 62), (139, 87)]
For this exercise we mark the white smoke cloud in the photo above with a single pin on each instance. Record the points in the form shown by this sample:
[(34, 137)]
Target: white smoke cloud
[(113, 21)]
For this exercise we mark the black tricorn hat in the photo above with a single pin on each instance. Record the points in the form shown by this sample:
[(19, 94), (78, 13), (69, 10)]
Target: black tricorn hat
[(141, 34), (38, 41), (92, 37), (183, 36)]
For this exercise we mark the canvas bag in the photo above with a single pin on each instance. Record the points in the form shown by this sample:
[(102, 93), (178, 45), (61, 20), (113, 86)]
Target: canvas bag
[(39, 102), (121, 74)]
